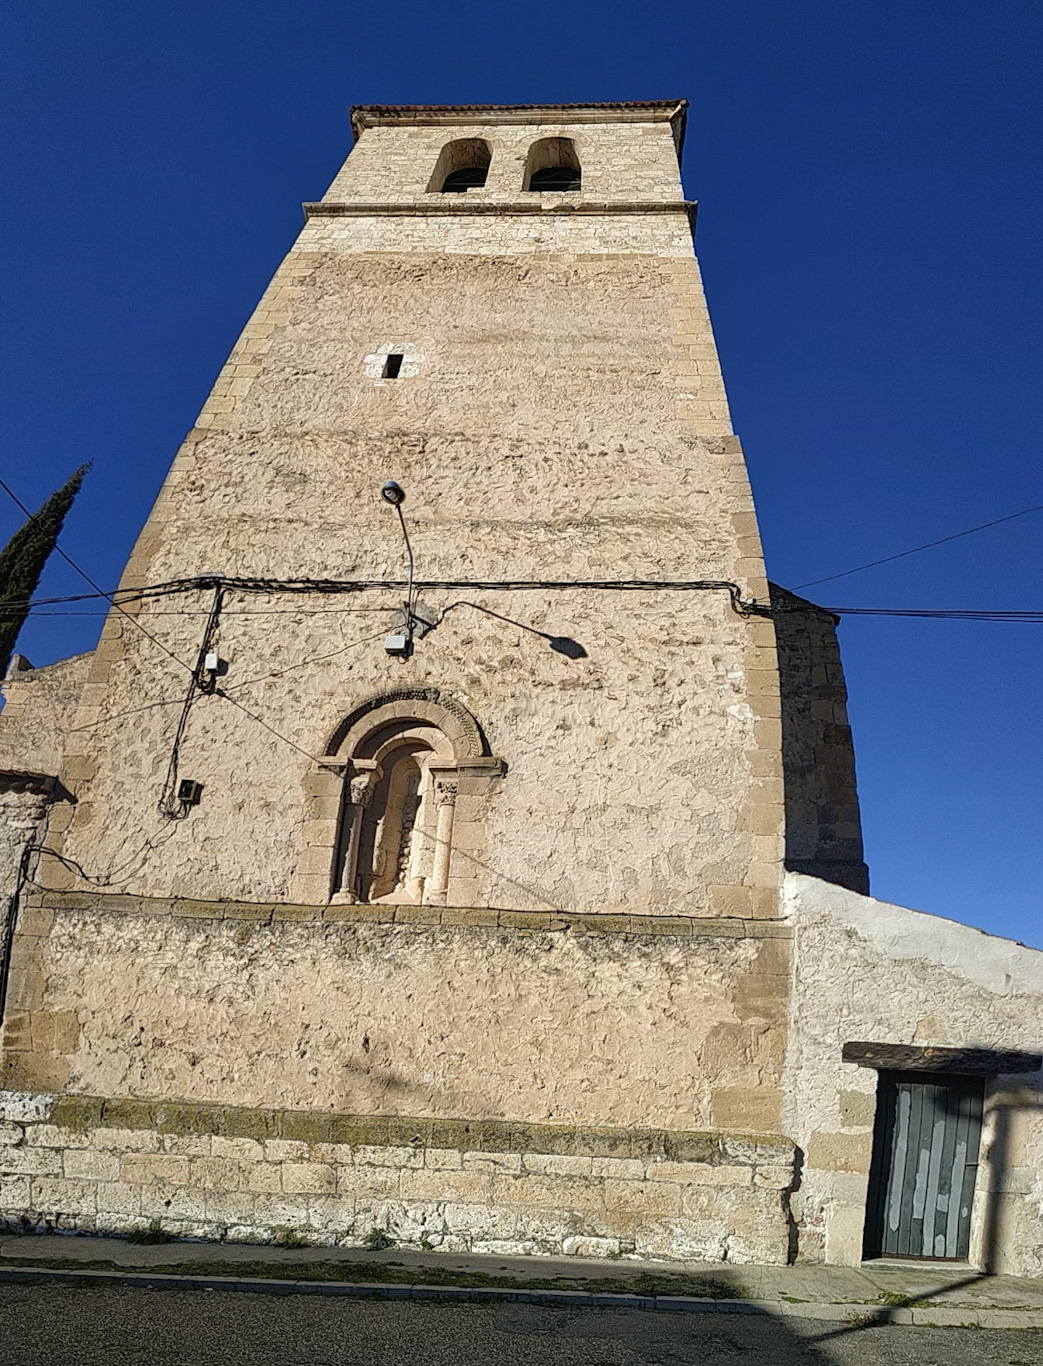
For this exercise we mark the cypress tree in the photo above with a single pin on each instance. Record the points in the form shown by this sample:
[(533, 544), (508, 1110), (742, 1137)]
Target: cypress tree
[(23, 558)]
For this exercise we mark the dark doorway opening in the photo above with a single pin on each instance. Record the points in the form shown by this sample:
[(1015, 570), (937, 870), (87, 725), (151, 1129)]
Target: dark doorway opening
[(925, 1161)]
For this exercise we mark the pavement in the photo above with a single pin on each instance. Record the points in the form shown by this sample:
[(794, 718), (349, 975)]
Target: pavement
[(904, 1293), (113, 1325)]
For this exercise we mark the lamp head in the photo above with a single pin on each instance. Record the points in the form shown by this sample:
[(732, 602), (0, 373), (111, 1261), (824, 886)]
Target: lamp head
[(393, 493)]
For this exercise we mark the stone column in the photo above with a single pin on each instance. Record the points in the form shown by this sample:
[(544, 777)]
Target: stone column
[(360, 788), (437, 887)]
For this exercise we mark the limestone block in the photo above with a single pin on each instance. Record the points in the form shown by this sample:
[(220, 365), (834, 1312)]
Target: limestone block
[(400, 1158), (164, 1202), (89, 1165), (857, 1109), (699, 1173), (553, 1164), (125, 1140), (154, 1169), (117, 1197), (262, 1178), (308, 1178), (30, 1161), (620, 1168), (14, 1194), (281, 1211), (840, 1152), (229, 1207), (756, 1109), (58, 1195), (186, 1145), (330, 1215), (285, 1150), (492, 1162), (550, 1193), (642, 1199), (458, 1187), (369, 1183), (443, 1159), (217, 1173)]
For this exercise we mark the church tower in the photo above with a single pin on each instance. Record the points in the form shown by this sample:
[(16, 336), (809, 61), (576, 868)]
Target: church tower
[(500, 309), (497, 846)]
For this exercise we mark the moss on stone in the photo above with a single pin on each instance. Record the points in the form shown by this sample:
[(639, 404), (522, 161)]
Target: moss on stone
[(305, 1126), (127, 1114), (77, 1113)]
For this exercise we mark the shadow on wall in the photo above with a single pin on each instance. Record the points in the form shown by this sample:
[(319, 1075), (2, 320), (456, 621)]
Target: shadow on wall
[(823, 824)]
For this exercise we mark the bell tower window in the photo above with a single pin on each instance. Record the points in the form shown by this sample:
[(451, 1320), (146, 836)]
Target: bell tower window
[(462, 165), (553, 166)]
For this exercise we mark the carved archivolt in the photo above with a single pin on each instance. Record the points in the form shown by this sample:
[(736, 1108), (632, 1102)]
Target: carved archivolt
[(431, 704)]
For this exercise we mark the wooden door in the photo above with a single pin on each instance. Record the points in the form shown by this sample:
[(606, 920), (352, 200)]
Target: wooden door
[(925, 1160)]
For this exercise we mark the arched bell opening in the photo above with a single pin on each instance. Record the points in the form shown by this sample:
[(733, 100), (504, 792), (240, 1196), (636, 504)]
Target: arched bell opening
[(552, 166), (462, 165)]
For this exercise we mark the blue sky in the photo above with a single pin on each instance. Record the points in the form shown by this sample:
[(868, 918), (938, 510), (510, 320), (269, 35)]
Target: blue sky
[(869, 228)]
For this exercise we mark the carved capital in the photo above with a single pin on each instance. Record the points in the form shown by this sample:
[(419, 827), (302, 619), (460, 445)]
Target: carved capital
[(361, 787), (445, 792)]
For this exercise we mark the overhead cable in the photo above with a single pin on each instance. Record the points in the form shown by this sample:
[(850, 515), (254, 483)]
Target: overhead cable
[(929, 545)]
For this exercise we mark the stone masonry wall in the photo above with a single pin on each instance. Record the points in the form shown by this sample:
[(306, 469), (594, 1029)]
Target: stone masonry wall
[(563, 417), (869, 971), (673, 1023), (39, 705), (621, 161), (97, 1165), (823, 822)]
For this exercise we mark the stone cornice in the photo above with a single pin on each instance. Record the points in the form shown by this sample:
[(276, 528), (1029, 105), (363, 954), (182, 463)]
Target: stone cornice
[(430, 917), (449, 115), (459, 205)]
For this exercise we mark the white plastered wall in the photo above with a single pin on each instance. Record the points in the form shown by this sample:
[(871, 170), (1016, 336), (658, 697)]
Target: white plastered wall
[(865, 970)]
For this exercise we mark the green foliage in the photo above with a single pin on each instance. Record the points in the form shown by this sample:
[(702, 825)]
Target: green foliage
[(155, 1233), (289, 1237), (23, 558), (376, 1239)]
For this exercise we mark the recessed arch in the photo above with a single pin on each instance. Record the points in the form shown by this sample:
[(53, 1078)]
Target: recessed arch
[(553, 166), (462, 165), (400, 760)]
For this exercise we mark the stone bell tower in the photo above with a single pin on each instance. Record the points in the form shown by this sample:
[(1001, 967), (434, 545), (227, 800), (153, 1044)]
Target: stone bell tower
[(501, 309), (408, 893)]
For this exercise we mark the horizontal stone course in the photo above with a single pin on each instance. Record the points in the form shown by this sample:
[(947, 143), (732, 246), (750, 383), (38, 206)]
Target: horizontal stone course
[(393, 1140), (463, 1185), (457, 917)]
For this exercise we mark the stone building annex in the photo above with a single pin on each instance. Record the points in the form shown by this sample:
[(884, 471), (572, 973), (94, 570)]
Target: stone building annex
[(522, 908)]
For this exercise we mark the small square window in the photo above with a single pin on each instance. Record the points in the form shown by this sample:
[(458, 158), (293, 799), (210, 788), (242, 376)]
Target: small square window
[(392, 365)]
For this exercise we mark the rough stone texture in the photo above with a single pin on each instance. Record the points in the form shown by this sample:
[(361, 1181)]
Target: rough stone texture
[(545, 371), (457, 1186), (622, 162), (37, 712), (685, 1030), (868, 970), (23, 818), (823, 825)]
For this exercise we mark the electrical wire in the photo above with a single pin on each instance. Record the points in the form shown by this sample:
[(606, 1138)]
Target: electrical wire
[(87, 579), (938, 614), (929, 545)]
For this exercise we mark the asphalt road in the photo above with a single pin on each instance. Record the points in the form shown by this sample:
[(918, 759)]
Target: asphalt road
[(67, 1326)]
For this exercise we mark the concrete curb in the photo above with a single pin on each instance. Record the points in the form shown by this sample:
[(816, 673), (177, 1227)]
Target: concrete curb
[(854, 1314)]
